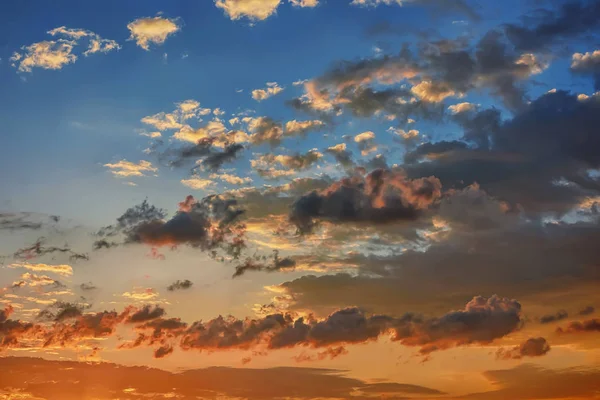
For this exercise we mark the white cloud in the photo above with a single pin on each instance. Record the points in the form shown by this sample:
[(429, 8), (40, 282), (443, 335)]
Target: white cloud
[(300, 127), (462, 107), (362, 137), (304, 3), (197, 183), (375, 3), (124, 168), (152, 30), (432, 91), (231, 179), (255, 10), (174, 120), (271, 90), (583, 60), (55, 54)]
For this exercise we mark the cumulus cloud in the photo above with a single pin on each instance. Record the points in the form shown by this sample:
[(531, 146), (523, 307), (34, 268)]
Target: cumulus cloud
[(232, 179), (383, 196), (275, 166), (208, 224), (532, 347), (272, 89), (55, 54), (590, 325), (587, 64), (197, 183), (180, 285), (304, 3), (152, 30), (126, 169), (254, 10), (560, 315), (295, 127)]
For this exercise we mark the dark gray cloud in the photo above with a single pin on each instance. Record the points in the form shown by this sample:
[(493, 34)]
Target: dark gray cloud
[(587, 310), (208, 224), (590, 325), (551, 27), (273, 263), (39, 249), (382, 196), (180, 285), (558, 316), (532, 347)]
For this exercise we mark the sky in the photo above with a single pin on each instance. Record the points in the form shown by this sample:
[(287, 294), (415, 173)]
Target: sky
[(300, 199)]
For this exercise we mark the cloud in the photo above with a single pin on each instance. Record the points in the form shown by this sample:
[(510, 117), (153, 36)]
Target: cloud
[(294, 127), (208, 224), (197, 183), (266, 164), (560, 315), (382, 196), (573, 19), (141, 294), (74, 378), (125, 169), (180, 285), (232, 179), (532, 347), (254, 10), (462, 107), (366, 142), (63, 269), (264, 130), (152, 30), (184, 111), (271, 90), (587, 310), (587, 64), (304, 3), (33, 280), (55, 54), (590, 325)]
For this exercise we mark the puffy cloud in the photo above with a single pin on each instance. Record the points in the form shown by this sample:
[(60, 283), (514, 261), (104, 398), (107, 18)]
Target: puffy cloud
[(271, 90), (55, 54), (588, 64), (571, 20), (295, 127), (432, 91), (197, 183), (264, 130), (304, 3), (148, 30), (63, 269), (208, 224), (462, 107), (381, 197), (185, 110), (366, 142), (291, 164), (254, 10), (46, 54), (587, 310), (231, 179), (590, 325), (560, 315), (342, 155), (180, 285), (125, 169), (532, 347)]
